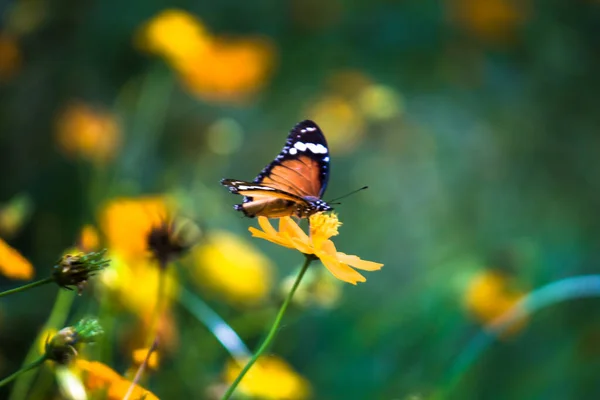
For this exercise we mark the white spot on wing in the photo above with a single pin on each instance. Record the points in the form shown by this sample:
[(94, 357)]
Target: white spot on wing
[(326, 159), (300, 146), (317, 148), (293, 151)]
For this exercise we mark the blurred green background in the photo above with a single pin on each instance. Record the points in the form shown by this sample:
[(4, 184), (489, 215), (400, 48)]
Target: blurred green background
[(473, 122)]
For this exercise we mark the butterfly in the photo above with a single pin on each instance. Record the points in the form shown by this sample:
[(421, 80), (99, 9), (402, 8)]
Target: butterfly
[(293, 183)]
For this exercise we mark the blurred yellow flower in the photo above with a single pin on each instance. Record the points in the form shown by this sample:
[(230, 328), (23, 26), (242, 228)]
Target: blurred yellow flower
[(173, 34), (322, 227), (133, 277), (134, 284), (88, 239), (340, 119), (489, 20), (489, 296), (128, 222), (12, 264), (216, 74), (139, 356), (270, 378), (10, 56), (92, 134), (232, 268), (209, 66), (318, 289), (100, 377)]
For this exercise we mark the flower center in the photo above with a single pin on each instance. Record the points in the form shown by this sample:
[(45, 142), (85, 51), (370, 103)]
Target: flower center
[(325, 225)]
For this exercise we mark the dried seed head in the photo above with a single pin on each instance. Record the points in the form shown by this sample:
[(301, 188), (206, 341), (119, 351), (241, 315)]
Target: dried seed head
[(74, 270)]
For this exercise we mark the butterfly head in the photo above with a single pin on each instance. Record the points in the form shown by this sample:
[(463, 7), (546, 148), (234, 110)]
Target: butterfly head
[(313, 205)]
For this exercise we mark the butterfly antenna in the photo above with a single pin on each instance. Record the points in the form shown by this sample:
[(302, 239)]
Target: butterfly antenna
[(346, 195)]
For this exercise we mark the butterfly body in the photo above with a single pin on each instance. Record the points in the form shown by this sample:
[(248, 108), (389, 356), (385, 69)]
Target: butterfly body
[(293, 183)]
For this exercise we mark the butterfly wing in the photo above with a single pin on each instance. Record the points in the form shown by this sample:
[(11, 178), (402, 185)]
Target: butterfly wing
[(262, 200), (294, 181), (302, 167)]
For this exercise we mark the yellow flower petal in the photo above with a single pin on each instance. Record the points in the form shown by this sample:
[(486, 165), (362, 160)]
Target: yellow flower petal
[(288, 226), (99, 376), (275, 239), (357, 262), (325, 225), (266, 226), (302, 246), (12, 264), (341, 271)]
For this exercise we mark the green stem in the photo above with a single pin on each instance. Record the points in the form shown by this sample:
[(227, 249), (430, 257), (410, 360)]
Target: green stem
[(28, 286), (56, 320), (272, 332), (26, 368)]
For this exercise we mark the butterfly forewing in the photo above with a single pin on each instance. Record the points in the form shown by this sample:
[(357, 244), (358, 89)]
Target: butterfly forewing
[(302, 167)]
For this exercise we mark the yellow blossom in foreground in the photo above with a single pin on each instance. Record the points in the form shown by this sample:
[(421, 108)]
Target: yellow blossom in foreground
[(270, 378), (489, 296), (100, 377), (86, 132), (12, 264), (322, 227), (232, 268)]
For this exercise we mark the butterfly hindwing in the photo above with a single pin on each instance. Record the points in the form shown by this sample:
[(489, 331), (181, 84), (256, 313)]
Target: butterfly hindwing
[(294, 182)]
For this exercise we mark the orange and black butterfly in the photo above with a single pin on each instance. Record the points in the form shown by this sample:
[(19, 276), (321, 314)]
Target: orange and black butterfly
[(293, 183)]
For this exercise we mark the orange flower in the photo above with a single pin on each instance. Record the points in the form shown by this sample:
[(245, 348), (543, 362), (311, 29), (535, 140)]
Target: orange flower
[(322, 227), (270, 378), (89, 133), (99, 377), (12, 264), (215, 74), (208, 65)]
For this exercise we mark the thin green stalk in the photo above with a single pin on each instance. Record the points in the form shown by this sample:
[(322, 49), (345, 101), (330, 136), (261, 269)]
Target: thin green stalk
[(576, 287), (24, 369), (272, 332), (153, 335), (56, 320), (28, 286), (140, 371)]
